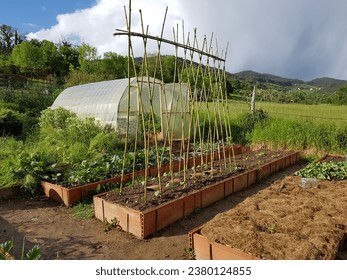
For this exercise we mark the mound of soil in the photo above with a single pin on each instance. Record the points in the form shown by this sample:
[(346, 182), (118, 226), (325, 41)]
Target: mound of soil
[(201, 177), (285, 221)]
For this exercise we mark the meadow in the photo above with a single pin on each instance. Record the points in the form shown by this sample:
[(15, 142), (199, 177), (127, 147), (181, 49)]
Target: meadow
[(317, 113), (316, 129)]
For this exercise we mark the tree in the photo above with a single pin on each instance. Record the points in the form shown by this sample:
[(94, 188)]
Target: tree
[(68, 57), (28, 55), (50, 56), (341, 96), (87, 56), (115, 65), (9, 38)]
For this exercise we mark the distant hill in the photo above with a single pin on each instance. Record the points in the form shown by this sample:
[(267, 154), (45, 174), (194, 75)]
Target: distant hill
[(326, 84), (266, 78)]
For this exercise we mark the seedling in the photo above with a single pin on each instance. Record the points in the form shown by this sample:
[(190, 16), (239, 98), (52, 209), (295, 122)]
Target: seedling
[(271, 229), (109, 225), (189, 253)]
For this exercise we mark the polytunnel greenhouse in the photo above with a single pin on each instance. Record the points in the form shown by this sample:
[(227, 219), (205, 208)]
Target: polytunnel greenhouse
[(107, 102)]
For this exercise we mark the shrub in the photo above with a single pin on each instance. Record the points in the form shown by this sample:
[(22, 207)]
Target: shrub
[(244, 125), (10, 123)]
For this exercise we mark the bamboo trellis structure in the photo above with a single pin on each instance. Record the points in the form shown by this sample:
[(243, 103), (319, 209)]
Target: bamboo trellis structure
[(205, 79)]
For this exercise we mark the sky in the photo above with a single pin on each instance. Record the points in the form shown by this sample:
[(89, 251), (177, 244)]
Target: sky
[(302, 39)]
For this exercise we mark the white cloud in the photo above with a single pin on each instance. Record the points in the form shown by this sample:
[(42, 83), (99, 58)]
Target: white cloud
[(96, 25), (32, 25), (299, 39)]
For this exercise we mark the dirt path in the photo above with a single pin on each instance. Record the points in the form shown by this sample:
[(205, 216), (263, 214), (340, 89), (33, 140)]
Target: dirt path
[(44, 222)]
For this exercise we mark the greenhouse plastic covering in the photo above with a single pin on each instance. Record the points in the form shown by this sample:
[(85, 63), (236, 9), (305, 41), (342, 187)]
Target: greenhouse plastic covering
[(107, 102)]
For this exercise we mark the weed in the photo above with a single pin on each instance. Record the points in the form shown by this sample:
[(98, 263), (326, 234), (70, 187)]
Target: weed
[(83, 211), (109, 225), (189, 253), (271, 229)]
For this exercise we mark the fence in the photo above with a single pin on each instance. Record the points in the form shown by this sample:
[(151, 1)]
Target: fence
[(25, 77)]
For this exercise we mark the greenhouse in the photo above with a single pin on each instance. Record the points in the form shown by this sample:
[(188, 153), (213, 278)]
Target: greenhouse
[(111, 102)]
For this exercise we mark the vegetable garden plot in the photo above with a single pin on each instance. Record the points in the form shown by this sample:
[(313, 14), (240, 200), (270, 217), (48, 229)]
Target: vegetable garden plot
[(143, 217), (68, 195), (284, 222)]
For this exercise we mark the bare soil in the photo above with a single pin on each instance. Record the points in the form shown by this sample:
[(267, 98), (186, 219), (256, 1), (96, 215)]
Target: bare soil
[(52, 226), (286, 221), (201, 177)]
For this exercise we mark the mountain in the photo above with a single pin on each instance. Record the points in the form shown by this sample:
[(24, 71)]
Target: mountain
[(329, 84), (266, 78), (326, 84)]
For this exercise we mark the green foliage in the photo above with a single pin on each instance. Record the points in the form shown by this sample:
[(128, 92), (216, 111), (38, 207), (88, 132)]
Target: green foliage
[(325, 170), (340, 96), (244, 125), (28, 169), (149, 123), (83, 211), (5, 251), (109, 225), (296, 133), (189, 253), (33, 254), (9, 38), (272, 88), (92, 69), (28, 55), (25, 102), (56, 119), (10, 123)]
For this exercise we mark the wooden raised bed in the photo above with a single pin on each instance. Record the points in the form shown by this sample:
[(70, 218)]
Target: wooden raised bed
[(304, 215), (333, 157), (70, 195), (204, 249), (144, 223)]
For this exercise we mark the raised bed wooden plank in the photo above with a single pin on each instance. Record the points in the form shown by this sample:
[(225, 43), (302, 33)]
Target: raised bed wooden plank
[(201, 242), (212, 194), (204, 249), (240, 182), (165, 214), (221, 252)]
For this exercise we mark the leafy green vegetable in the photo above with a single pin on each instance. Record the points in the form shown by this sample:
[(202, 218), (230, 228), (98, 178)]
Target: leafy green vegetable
[(325, 170)]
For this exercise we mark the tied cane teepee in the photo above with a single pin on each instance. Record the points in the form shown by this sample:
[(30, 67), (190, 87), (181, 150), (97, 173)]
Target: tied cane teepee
[(198, 85)]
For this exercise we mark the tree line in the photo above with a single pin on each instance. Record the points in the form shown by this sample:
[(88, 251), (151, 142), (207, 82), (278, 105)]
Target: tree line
[(72, 65)]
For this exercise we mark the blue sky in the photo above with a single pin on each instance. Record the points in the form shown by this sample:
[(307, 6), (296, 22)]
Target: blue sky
[(33, 15), (303, 39)]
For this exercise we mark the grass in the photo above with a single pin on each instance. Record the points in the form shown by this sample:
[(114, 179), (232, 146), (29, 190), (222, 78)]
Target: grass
[(83, 211), (314, 128), (318, 113)]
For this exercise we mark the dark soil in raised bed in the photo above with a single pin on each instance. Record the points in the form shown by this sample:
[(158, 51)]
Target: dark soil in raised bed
[(133, 196), (334, 158), (285, 221)]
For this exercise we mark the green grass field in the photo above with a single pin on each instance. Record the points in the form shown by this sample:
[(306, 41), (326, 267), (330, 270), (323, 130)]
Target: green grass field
[(317, 128), (318, 113)]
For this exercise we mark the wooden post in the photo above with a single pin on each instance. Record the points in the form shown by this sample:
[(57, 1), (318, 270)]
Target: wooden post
[(253, 100)]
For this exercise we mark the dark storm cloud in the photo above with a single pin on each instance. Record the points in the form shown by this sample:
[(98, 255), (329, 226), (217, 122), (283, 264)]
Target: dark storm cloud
[(298, 38)]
